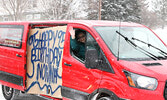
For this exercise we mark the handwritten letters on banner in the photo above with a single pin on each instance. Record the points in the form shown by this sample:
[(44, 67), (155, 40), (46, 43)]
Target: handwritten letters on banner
[(44, 61)]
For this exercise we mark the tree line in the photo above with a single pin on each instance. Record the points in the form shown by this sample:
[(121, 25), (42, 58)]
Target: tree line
[(115, 10)]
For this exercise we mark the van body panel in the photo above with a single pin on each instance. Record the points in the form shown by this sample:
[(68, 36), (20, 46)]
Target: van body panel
[(13, 57), (156, 69), (77, 76), (123, 90)]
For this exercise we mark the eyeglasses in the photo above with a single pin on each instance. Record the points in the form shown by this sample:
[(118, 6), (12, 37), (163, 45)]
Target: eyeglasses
[(79, 37), (82, 36)]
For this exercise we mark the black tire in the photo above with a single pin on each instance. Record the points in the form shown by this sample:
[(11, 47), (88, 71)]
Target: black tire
[(9, 93), (105, 98)]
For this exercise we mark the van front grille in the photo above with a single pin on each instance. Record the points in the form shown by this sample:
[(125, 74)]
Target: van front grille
[(165, 91)]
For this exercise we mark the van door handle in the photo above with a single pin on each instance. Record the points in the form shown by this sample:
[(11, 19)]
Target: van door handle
[(67, 64), (18, 55)]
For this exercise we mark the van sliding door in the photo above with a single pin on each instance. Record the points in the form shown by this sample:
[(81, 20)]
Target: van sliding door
[(13, 56)]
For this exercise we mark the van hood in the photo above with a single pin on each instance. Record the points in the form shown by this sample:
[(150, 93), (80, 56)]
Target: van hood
[(156, 69)]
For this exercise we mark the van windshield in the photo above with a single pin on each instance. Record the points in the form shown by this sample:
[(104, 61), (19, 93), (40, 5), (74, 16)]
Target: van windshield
[(135, 43)]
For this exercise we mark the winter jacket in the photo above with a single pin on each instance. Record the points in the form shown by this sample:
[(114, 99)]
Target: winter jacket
[(78, 48)]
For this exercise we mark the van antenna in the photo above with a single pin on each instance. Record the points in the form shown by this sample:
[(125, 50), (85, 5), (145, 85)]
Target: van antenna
[(119, 37)]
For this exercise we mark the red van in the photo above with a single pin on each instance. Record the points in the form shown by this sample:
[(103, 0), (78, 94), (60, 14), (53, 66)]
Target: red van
[(116, 61)]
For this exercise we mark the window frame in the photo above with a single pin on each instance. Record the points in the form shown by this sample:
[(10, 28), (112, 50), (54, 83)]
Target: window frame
[(101, 57), (71, 52)]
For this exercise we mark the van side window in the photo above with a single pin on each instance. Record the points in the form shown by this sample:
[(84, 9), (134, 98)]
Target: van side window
[(11, 35), (92, 44), (104, 64), (77, 44)]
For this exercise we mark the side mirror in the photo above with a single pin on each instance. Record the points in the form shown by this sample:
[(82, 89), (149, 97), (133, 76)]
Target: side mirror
[(91, 58)]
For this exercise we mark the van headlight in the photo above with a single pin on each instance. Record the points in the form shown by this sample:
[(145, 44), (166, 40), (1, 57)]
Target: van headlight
[(140, 81)]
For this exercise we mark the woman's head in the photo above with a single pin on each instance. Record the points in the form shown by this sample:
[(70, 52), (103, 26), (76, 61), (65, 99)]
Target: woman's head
[(80, 36)]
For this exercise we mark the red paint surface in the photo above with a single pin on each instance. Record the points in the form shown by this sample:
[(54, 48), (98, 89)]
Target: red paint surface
[(88, 80)]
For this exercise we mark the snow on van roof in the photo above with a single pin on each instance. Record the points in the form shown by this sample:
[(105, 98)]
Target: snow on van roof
[(84, 22)]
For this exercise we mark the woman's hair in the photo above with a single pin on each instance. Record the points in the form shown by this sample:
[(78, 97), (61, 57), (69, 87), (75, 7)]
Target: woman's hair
[(77, 32)]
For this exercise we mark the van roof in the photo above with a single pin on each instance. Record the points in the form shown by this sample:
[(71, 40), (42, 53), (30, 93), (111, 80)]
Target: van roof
[(89, 23)]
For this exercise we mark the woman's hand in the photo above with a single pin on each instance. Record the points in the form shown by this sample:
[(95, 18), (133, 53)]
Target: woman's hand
[(72, 32)]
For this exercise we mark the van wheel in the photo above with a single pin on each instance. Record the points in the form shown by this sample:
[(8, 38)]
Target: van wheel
[(105, 98), (9, 93)]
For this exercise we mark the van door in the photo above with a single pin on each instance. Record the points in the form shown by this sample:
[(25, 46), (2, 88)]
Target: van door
[(78, 81), (13, 55), (45, 47)]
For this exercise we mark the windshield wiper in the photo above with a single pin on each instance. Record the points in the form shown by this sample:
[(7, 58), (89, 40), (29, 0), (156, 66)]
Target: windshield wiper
[(150, 45), (135, 45), (126, 39)]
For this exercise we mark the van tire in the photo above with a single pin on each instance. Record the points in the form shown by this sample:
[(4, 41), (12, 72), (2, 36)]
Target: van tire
[(9, 93), (105, 98)]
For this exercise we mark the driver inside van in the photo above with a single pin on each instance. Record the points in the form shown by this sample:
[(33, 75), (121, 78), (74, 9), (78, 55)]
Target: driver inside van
[(77, 42)]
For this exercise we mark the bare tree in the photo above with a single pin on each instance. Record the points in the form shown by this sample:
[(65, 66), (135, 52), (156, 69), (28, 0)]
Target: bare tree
[(93, 9), (14, 8), (62, 9), (161, 11), (148, 18), (51, 9)]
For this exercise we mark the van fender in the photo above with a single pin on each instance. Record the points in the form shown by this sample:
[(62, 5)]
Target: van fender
[(102, 92)]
